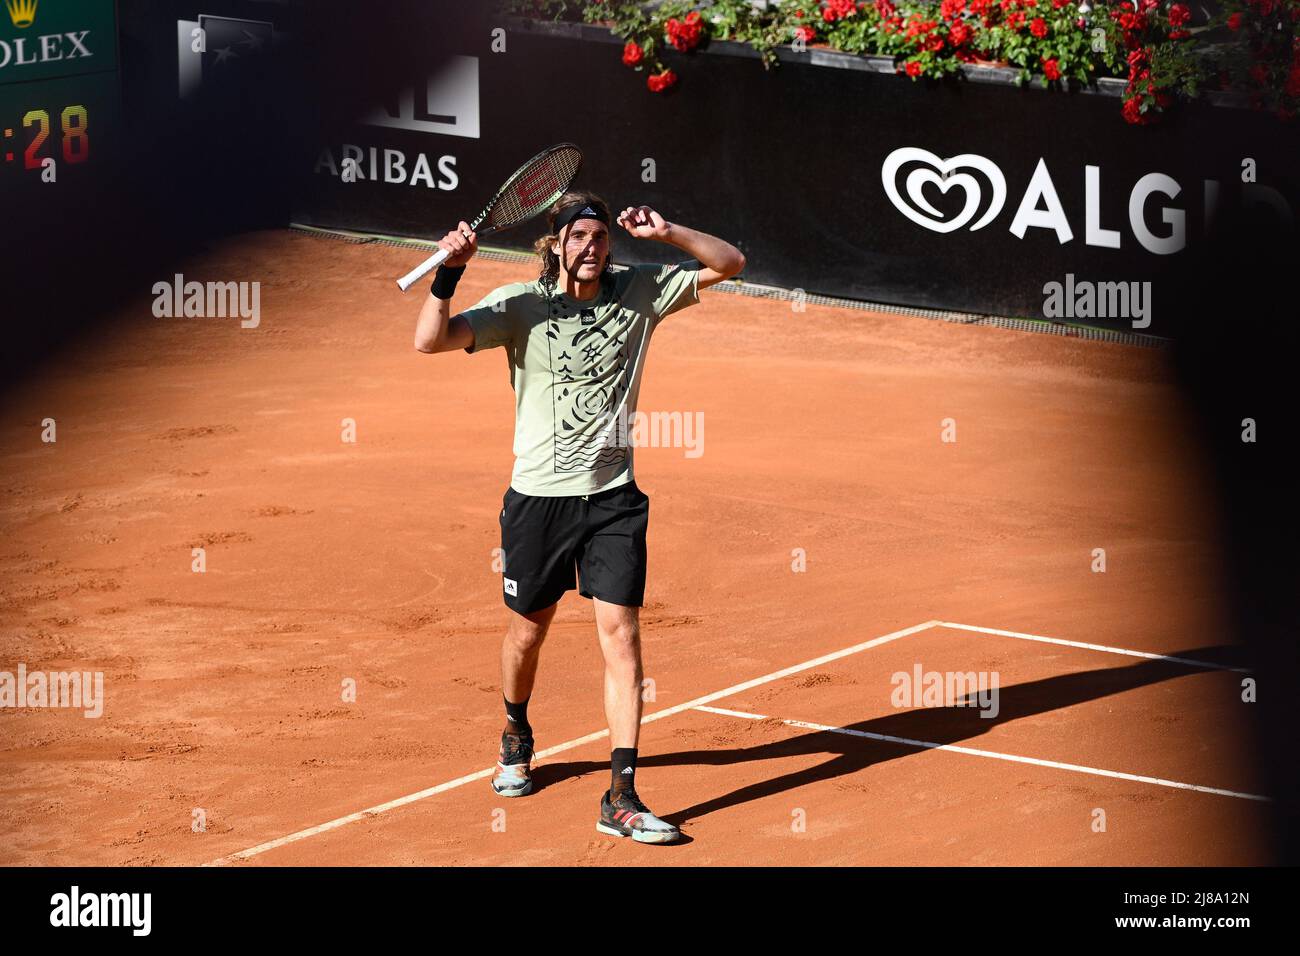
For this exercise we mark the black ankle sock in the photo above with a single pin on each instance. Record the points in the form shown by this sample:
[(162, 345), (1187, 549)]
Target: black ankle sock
[(517, 719), (622, 765)]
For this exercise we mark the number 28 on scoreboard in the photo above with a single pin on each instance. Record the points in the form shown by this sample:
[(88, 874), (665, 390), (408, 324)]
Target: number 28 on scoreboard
[(31, 143)]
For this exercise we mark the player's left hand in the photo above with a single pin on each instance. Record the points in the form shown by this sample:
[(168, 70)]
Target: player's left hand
[(644, 223)]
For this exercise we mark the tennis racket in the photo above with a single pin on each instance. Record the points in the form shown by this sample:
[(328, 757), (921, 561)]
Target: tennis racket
[(533, 188)]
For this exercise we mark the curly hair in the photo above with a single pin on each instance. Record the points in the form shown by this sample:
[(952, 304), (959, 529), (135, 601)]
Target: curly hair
[(550, 262)]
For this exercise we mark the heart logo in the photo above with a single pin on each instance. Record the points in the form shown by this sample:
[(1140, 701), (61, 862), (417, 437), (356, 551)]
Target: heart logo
[(944, 174)]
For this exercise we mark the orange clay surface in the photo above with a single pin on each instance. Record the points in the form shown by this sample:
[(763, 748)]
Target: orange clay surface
[(373, 562)]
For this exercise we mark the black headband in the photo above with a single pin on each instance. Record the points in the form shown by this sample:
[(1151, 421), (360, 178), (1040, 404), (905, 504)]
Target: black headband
[(579, 211)]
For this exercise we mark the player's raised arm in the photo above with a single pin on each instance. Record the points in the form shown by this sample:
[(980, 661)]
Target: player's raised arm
[(719, 259), (437, 329)]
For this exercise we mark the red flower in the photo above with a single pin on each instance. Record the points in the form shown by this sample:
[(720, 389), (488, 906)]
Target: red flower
[(951, 9), (1149, 5), (632, 54), (1292, 87), (1038, 27), (838, 10), (1178, 15), (1234, 21), (1133, 112), (805, 33), (914, 69), (658, 82), (960, 33), (1133, 22), (920, 31), (685, 34), (1052, 68), (885, 9), (1179, 34)]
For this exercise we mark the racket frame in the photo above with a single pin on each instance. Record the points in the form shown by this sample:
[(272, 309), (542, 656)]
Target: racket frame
[(442, 255)]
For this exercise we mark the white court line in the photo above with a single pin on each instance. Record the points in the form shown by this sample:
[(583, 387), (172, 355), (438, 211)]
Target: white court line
[(567, 745), (1092, 647), (1056, 765)]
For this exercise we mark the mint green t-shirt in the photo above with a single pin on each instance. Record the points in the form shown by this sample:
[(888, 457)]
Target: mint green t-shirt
[(576, 370)]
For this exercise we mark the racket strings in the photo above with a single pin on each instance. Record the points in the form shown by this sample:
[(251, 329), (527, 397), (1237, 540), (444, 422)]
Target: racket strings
[(535, 187)]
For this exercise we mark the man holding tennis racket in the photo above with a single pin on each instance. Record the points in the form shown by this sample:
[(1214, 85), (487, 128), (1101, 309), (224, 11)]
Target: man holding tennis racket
[(576, 340)]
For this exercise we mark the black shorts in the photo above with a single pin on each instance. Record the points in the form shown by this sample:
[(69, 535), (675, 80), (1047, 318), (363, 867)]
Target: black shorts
[(601, 536)]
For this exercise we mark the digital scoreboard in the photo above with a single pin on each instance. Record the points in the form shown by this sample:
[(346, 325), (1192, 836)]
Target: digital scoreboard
[(59, 89)]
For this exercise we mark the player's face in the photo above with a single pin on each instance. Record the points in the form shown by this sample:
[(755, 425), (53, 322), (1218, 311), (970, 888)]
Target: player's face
[(586, 248)]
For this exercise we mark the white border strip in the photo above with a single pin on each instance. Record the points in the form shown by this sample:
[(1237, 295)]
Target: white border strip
[(759, 291), (1092, 647), (567, 745), (953, 748)]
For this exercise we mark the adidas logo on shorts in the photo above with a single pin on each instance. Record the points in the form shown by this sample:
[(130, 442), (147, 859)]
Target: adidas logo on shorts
[(512, 587)]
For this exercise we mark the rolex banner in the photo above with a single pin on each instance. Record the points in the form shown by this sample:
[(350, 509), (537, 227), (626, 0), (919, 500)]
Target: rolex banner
[(844, 182), (43, 39)]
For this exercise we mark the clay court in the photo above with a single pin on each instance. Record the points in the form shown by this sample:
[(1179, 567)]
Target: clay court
[(771, 738)]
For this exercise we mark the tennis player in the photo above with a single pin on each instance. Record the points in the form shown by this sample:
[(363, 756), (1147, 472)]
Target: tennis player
[(576, 340)]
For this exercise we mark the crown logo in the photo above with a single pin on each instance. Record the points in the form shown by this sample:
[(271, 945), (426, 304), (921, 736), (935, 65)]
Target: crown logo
[(22, 12)]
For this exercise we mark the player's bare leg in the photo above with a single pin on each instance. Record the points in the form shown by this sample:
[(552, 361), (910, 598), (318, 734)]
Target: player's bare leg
[(621, 812), (619, 630), (520, 651)]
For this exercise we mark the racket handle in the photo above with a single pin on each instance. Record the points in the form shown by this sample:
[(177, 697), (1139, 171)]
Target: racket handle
[(423, 269)]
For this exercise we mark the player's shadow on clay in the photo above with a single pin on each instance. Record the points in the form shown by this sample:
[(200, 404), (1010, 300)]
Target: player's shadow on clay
[(942, 725)]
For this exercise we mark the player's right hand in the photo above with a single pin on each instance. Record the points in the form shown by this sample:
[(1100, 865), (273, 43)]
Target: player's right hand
[(461, 242)]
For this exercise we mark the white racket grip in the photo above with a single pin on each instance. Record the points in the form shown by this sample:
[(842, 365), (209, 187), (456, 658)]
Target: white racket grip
[(423, 269)]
